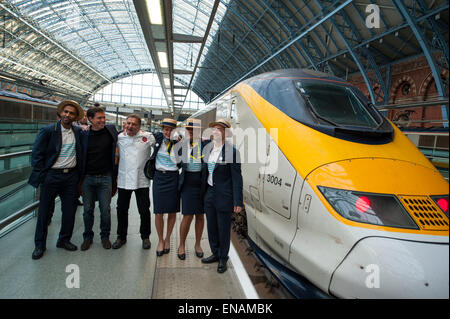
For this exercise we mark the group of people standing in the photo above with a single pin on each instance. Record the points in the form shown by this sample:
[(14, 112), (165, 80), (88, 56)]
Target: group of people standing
[(205, 175)]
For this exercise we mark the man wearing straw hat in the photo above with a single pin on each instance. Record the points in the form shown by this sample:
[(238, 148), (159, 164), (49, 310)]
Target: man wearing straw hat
[(56, 161), (166, 198), (223, 194)]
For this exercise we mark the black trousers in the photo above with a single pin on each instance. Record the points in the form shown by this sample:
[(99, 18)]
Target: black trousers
[(64, 185), (218, 224), (143, 204)]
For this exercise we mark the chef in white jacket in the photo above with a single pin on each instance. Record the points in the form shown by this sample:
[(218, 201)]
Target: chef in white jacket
[(134, 149)]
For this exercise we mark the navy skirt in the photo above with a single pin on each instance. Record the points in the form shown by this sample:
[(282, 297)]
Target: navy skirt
[(191, 198), (165, 192)]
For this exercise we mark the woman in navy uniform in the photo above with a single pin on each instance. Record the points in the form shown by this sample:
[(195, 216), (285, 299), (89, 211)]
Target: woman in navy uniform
[(223, 180), (190, 186), (166, 198)]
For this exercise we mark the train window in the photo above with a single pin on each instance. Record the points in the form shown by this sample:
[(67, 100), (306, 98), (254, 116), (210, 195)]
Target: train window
[(338, 110), (336, 105)]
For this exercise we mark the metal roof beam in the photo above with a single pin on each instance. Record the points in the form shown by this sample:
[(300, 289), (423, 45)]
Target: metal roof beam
[(427, 50), (300, 36), (208, 28), (186, 38), (19, 16)]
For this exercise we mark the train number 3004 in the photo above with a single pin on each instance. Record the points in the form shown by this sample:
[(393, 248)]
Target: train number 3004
[(274, 180)]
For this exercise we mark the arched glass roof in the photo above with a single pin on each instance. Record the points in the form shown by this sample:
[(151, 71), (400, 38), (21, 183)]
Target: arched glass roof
[(142, 90), (79, 46), (104, 33), (191, 18)]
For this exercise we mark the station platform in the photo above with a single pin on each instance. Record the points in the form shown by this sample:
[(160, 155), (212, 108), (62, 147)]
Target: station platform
[(126, 273)]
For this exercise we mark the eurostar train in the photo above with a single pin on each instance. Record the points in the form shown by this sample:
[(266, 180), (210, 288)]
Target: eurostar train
[(339, 203)]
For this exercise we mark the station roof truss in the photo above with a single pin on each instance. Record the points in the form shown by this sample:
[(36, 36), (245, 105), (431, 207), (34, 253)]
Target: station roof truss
[(210, 45)]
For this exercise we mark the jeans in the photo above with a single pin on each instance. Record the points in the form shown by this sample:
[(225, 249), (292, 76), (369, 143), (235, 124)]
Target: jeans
[(143, 204), (97, 187), (66, 186)]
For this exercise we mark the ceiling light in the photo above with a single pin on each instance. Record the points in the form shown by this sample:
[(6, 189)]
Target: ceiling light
[(154, 11), (162, 56)]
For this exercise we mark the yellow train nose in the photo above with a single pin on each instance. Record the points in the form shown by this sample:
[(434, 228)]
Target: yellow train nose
[(410, 183)]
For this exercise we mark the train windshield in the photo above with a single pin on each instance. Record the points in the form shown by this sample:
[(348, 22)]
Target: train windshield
[(336, 105)]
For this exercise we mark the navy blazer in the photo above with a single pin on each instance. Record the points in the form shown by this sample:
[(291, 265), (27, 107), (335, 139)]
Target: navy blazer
[(183, 160), (159, 138), (227, 177), (84, 138), (46, 149)]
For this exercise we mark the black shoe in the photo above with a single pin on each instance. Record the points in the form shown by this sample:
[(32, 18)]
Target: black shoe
[(119, 243), (106, 243), (199, 254), (38, 253), (67, 245), (86, 244), (146, 244), (182, 256), (166, 251), (222, 267), (211, 259), (159, 253)]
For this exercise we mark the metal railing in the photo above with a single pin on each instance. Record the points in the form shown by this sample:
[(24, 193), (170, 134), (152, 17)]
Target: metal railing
[(15, 217), (11, 155), (24, 211)]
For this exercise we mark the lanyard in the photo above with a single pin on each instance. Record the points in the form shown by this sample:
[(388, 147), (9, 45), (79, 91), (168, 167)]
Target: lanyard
[(198, 153)]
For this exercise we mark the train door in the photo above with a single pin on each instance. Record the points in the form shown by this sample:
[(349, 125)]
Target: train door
[(276, 224), (244, 122)]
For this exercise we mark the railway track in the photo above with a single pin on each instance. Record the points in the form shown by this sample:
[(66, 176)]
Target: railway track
[(266, 285)]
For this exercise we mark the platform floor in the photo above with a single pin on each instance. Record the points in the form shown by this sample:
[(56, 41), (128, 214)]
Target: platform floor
[(126, 273)]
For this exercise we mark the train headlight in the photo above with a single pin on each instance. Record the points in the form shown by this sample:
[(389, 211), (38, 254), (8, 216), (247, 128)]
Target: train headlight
[(442, 202), (377, 209)]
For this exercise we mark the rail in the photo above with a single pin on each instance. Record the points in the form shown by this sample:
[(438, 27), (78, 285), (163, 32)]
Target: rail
[(29, 205), (24, 211), (387, 107), (16, 154)]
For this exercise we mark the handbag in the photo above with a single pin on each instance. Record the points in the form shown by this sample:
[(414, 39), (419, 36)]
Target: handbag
[(149, 168)]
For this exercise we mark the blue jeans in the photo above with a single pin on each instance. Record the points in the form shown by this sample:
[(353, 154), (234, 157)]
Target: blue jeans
[(97, 187)]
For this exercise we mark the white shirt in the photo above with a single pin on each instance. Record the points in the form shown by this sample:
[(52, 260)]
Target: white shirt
[(134, 151), (212, 160), (67, 156)]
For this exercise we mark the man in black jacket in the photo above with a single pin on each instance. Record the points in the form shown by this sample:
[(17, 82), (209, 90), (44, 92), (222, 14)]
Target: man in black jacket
[(99, 171), (56, 162)]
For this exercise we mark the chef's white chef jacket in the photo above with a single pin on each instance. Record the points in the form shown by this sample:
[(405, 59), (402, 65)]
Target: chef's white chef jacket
[(134, 151)]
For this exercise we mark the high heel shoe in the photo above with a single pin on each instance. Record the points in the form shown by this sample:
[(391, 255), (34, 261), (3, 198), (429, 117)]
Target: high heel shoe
[(199, 254)]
